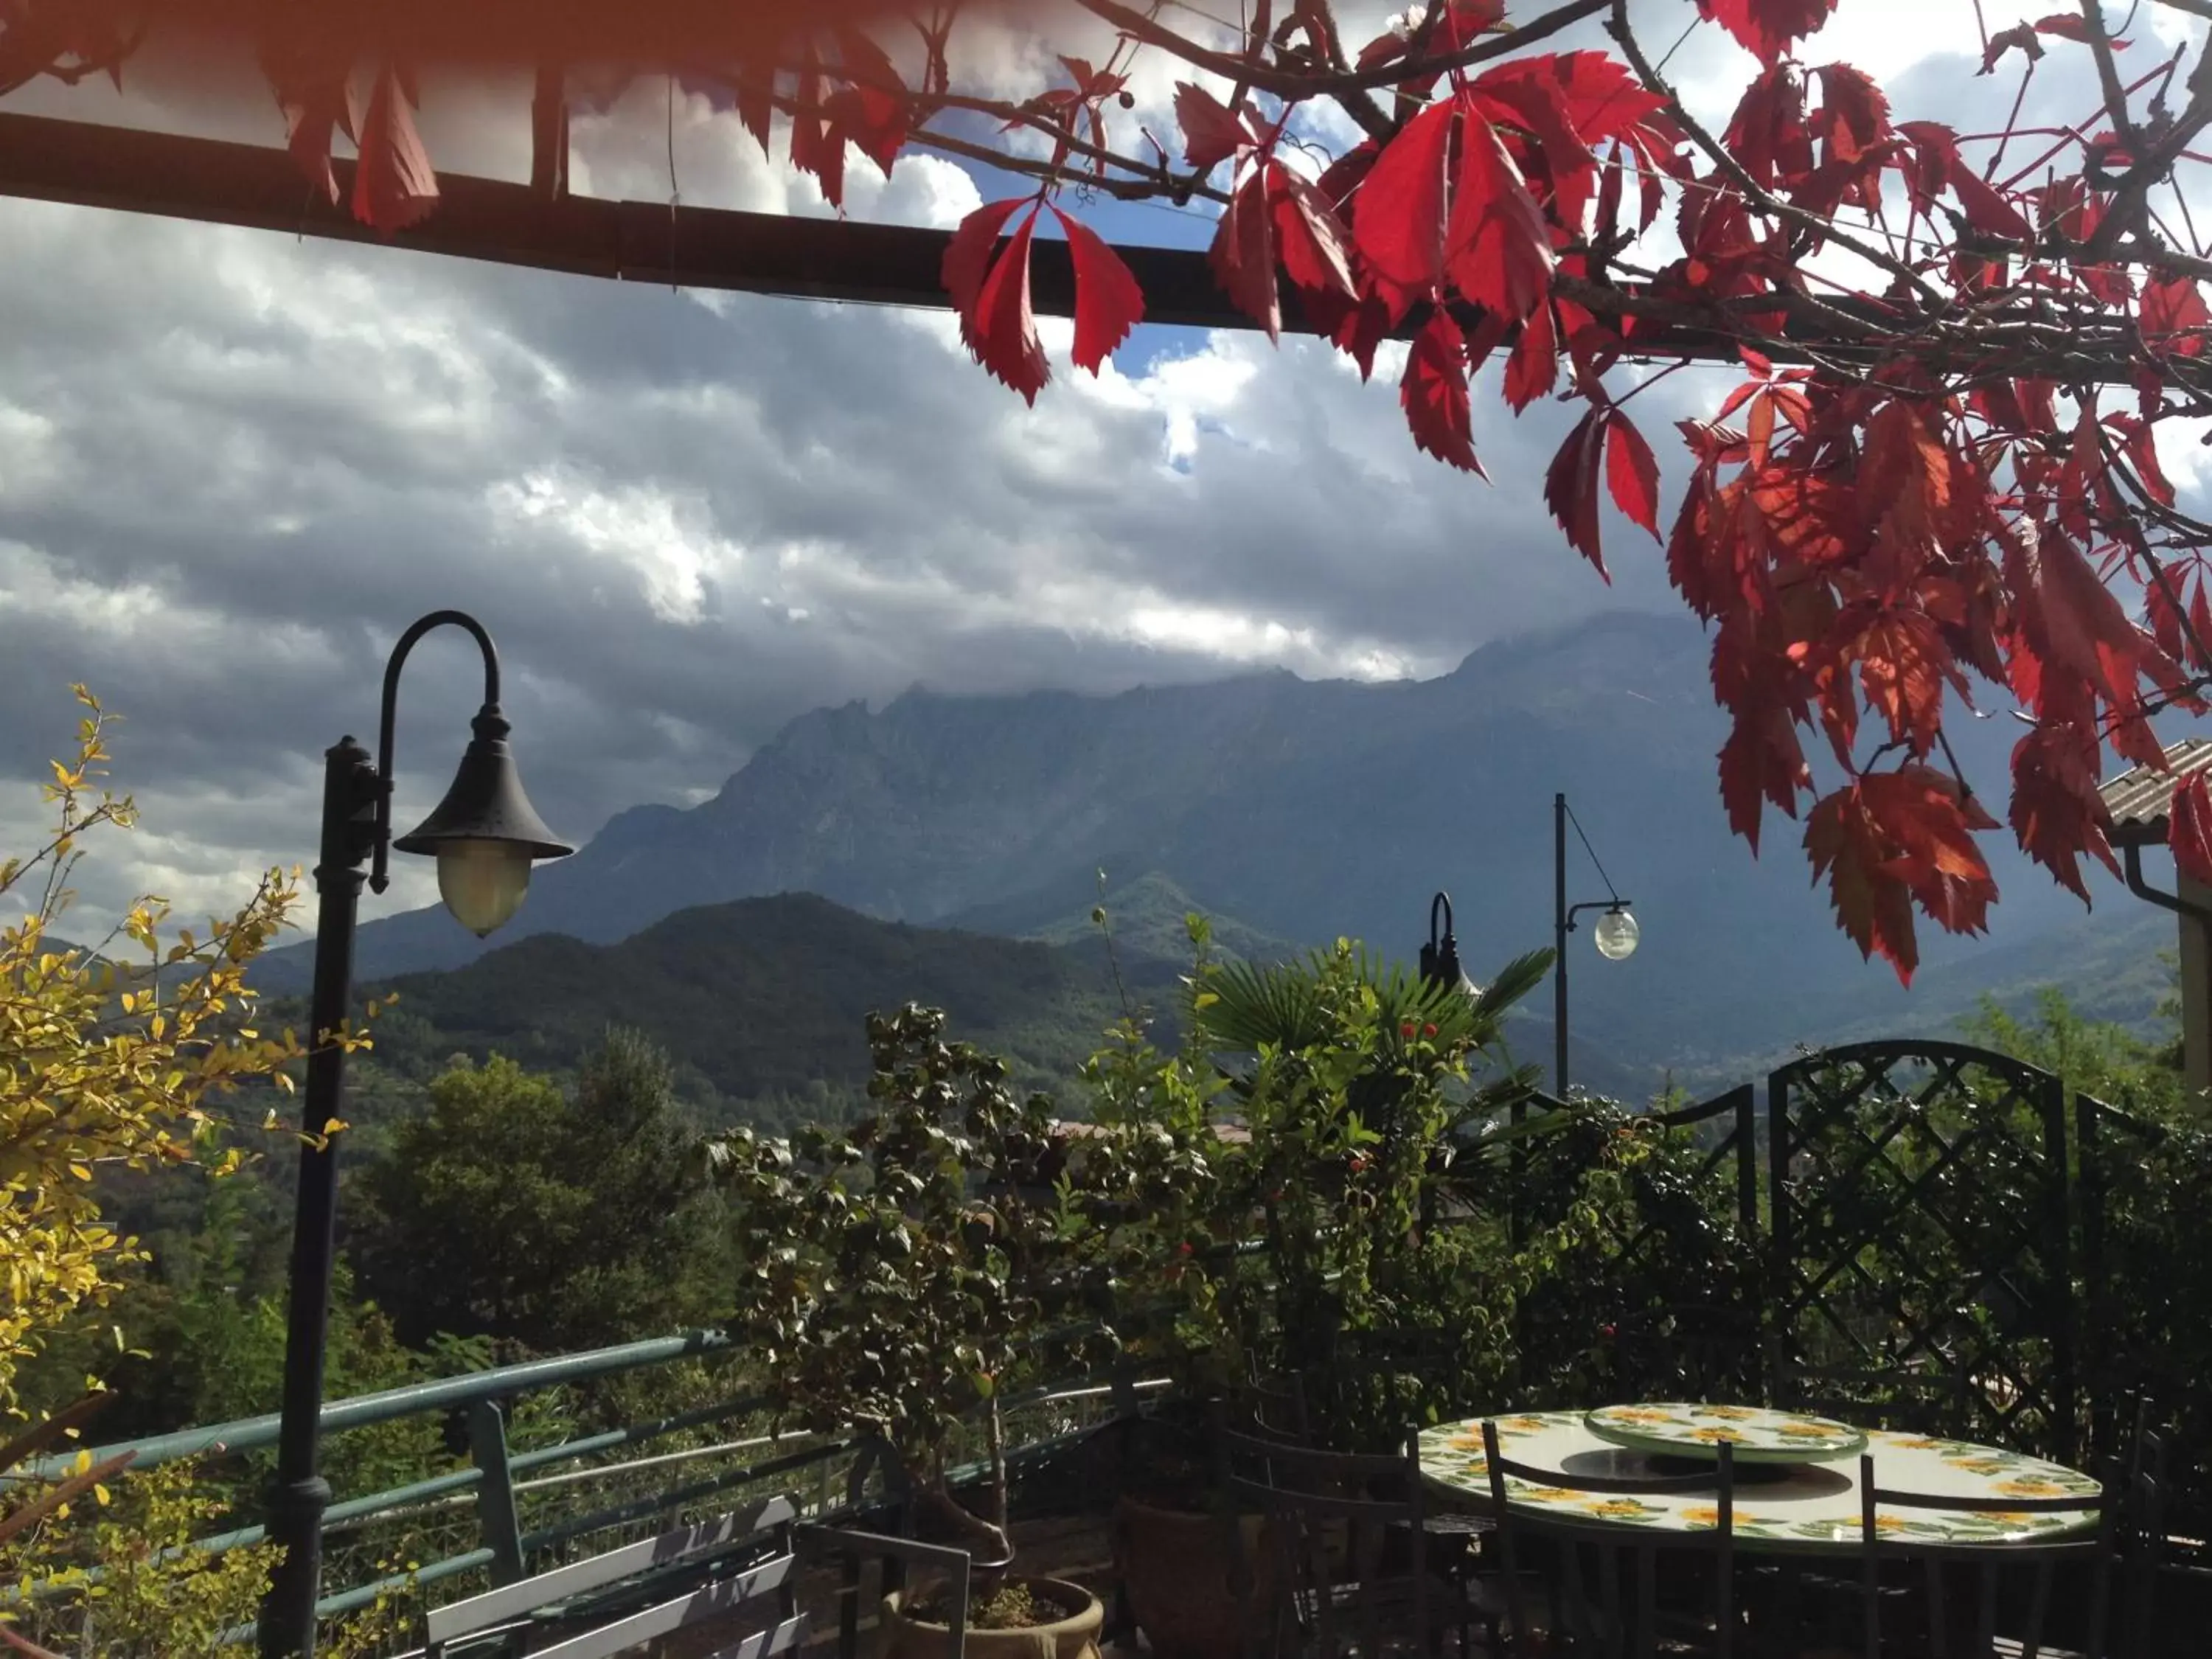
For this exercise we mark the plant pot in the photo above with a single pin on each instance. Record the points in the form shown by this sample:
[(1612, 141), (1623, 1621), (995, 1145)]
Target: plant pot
[(1178, 1570), (1073, 1638)]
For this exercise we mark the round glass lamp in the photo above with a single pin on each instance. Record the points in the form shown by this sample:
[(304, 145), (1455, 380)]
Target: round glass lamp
[(1615, 935)]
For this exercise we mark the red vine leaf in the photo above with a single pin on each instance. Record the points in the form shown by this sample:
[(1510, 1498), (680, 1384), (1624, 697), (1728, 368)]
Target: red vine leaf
[(1768, 28), (1498, 245), (1107, 301), (1570, 486), (1631, 473), (1243, 256), (1400, 227), (2057, 811), (1434, 394), (1316, 248), (993, 296), (2190, 830), (393, 186), (1211, 134)]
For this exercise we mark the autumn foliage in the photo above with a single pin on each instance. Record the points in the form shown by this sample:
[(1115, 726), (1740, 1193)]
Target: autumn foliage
[(1938, 486)]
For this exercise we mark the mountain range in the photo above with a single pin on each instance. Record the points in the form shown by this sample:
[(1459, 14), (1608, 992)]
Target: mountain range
[(1297, 812)]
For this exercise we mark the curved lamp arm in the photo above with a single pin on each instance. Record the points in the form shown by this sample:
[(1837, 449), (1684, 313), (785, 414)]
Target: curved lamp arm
[(1441, 901), (378, 879)]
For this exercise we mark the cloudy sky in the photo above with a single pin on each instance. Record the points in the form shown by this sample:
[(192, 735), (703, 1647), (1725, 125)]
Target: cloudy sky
[(234, 465)]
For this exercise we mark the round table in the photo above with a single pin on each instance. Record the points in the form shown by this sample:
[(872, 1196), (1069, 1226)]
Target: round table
[(1801, 1506)]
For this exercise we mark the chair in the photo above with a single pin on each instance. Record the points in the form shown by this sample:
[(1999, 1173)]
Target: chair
[(852, 1550), (1996, 1565), (1606, 1626), (743, 1556), (718, 1568), (1346, 1534)]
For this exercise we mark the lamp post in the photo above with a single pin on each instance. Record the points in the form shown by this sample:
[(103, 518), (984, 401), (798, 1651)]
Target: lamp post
[(1615, 933), (485, 835), (1440, 956)]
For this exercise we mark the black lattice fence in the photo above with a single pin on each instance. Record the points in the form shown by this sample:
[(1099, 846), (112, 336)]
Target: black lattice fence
[(1920, 1243), (2146, 1197), (1662, 1303)]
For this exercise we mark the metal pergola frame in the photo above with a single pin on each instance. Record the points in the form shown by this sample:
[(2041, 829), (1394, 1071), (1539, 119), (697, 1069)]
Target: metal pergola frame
[(541, 226)]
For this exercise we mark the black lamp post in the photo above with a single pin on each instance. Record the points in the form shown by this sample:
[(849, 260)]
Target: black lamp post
[(1440, 956), (485, 835), (1615, 933)]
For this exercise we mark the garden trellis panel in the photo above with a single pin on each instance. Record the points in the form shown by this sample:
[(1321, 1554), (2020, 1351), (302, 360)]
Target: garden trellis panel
[(1919, 1241)]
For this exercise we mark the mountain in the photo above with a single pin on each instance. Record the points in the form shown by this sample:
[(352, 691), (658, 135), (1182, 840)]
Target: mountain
[(760, 1002), (760, 999), (1308, 809)]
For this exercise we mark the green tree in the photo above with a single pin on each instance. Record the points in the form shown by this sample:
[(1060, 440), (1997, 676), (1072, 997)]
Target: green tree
[(2138, 1074), (544, 1218)]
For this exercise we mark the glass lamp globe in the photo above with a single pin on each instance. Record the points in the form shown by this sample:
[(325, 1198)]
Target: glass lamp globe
[(482, 882), (1615, 935)]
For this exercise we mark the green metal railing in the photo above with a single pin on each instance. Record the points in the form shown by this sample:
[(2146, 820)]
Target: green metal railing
[(499, 1480)]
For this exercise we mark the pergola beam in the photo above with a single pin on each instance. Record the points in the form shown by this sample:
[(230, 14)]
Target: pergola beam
[(538, 226)]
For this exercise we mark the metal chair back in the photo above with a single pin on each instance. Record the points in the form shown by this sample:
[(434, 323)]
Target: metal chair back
[(1345, 1533), (1994, 1564), (742, 1556), (1613, 1620)]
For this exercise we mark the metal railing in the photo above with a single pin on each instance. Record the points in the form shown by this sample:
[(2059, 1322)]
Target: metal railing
[(500, 1481)]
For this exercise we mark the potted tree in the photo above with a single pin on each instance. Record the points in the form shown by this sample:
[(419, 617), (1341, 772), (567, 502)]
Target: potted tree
[(1360, 1123), (890, 1272)]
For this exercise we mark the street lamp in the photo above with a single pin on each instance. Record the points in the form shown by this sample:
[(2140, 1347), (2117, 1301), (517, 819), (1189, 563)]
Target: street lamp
[(485, 835), (1440, 956), (1616, 932)]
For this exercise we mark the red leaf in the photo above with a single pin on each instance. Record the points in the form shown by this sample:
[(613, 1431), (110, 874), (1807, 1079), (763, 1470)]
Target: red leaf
[(1211, 134), (1434, 394), (1632, 472), (2173, 317), (968, 260), (1854, 113), (313, 80), (2021, 35), (1006, 341), (2190, 831), (818, 147), (1902, 663), (393, 186), (1498, 245), (1767, 28), (2072, 26), (1872, 903), (1533, 368), (1107, 301), (1316, 248), (1986, 210), (1400, 226), (756, 103), (1570, 486), (2056, 812), (1243, 256)]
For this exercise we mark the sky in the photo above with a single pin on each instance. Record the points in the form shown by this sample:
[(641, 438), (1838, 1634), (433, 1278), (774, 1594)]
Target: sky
[(234, 466)]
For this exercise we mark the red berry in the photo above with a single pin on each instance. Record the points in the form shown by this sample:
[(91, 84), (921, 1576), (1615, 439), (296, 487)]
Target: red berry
[(1184, 1249), (1407, 1030), (1430, 1029)]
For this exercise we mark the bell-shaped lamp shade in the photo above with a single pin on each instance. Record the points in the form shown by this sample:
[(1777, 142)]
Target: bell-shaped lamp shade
[(485, 834), (1615, 935)]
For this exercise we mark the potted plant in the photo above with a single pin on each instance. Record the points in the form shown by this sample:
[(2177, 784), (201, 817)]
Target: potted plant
[(890, 1272), (1360, 1129)]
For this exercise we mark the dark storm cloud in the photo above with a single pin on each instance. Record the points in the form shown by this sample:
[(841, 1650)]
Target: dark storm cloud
[(232, 466)]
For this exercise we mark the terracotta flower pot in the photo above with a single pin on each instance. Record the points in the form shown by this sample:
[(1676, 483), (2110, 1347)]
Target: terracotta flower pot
[(1177, 1568), (1073, 1638)]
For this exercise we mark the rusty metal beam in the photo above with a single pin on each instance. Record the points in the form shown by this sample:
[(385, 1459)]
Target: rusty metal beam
[(214, 182)]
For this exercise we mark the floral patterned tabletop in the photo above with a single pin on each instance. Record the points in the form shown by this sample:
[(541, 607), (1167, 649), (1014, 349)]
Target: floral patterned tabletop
[(1680, 1430), (1811, 1506)]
